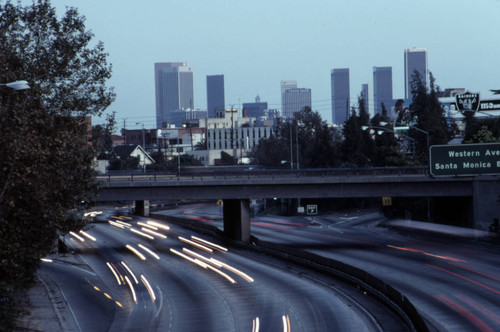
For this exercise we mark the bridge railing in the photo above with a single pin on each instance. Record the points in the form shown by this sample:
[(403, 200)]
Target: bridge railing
[(211, 173)]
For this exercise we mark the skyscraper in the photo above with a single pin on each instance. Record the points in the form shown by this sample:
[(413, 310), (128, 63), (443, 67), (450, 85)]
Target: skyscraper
[(285, 85), (341, 96), (295, 100), (382, 89), (256, 109), (215, 94), (415, 59), (173, 88)]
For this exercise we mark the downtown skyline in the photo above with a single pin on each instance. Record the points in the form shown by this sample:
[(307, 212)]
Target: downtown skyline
[(256, 45)]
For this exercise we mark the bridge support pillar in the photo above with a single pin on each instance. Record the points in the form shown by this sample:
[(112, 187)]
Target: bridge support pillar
[(142, 208), (486, 205), (237, 219)]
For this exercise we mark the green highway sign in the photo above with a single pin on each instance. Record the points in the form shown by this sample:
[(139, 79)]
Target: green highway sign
[(464, 159)]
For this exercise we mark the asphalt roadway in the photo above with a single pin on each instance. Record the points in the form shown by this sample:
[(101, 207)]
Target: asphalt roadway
[(45, 303)]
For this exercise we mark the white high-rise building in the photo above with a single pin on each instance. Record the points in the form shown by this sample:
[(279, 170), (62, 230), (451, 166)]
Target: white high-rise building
[(173, 89), (295, 100), (285, 85)]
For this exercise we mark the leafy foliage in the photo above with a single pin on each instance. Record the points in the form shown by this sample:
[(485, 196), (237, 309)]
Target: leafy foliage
[(45, 149), (129, 163), (481, 130), (306, 137), (227, 159), (387, 146), (102, 135), (358, 146), (427, 114)]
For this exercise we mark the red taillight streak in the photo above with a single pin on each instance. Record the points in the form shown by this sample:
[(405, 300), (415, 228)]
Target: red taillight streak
[(470, 316), (465, 278)]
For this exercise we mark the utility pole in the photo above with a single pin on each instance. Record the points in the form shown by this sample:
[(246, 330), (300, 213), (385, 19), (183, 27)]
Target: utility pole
[(124, 131), (297, 143), (232, 131), (291, 144)]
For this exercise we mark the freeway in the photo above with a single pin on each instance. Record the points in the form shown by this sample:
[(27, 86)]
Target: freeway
[(139, 274), (453, 281)]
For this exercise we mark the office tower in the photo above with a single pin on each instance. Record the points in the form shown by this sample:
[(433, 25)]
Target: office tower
[(255, 110), (382, 89), (295, 100), (285, 85), (173, 88), (341, 96), (365, 94), (215, 94), (415, 59)]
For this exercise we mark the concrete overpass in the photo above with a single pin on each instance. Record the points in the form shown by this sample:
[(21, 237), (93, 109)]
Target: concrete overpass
[(237, 189)]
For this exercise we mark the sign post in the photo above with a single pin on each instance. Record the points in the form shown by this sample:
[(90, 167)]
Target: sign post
[(312, 210), (464, 159)]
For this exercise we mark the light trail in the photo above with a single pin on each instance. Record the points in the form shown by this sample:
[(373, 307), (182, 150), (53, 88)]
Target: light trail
[(77, 236), (148, 287), (465, 278), (131, 289), (286, 323), (225, 275), (210, 244), (157, 224), (149, 251), (123, 223), (135, 251), (192, 260), (482, 326), (234, 270), (87, 235), (194, 244), (130, 271), (142, 234), (201, 257), (147, 230), (147, 225), (114, 223), (255, 324), (114, 273)]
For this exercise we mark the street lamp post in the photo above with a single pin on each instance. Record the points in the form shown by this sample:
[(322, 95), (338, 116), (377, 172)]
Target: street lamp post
[(380, 130), (417, 129), (413, 140), (424, 132)]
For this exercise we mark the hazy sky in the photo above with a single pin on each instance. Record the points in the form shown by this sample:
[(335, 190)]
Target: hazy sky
[(258, 43)]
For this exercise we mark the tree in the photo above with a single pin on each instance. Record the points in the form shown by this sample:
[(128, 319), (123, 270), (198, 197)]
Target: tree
[(102, 141), (270, 152), (387, 147), (227, 159), (45, 147), (484, 135), (358, 146), (305, 137), (129, 163), (427, 114), (315, 141), (481, 130)]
